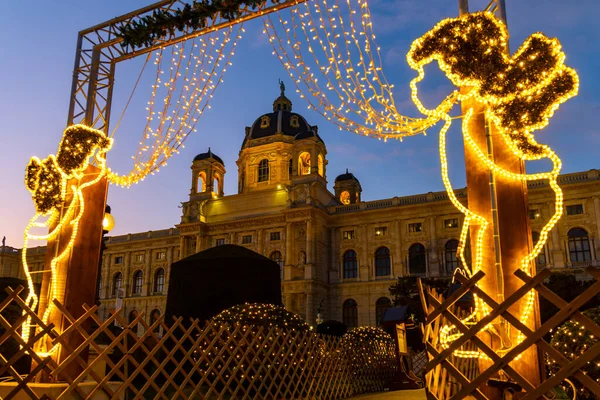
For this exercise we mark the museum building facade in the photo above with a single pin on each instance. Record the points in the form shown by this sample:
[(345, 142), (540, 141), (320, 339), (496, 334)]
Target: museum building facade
[(337, 253)]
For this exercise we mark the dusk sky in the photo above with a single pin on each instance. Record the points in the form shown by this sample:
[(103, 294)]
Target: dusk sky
[(37, 46)]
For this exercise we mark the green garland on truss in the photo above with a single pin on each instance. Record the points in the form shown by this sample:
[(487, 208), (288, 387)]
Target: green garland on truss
[(145, 31)]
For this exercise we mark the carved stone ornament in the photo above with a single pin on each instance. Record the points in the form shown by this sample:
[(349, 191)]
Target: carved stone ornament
[(301, 193)]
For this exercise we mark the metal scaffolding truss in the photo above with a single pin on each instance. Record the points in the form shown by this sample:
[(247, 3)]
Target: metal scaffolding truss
[(99, 49)]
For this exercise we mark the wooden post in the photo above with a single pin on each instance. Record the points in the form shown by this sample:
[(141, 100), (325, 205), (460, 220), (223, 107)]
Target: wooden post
[(77, 275), (504, 204)]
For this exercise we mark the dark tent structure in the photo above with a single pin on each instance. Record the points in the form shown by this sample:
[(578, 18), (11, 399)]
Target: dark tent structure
[(332, 328), (206, 283)]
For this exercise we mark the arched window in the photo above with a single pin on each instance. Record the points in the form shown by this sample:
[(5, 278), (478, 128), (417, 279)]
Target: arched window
[(201, 182), (540, 260), (276, 256), (265, 121), (579, 245), (138, 282), (159, 280), (350, 313), (263, 170), (290, 168), (117, 283), (304, 163), (350, 265), (345, 197), (216, 183), (132, 316), (321, 165), (451, 260), (154, 316), (382, 262), (382, 304), (417, 259), (294, 122)]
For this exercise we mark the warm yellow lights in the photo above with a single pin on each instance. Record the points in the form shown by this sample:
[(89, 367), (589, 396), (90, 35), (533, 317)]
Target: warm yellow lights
[(65, 171), (108, 223), (339, 40), (519, 95), (185, 82)]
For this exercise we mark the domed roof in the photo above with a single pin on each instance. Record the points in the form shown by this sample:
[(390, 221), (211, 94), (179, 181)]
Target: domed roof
[(281, 121), (346, 177), (207, 155)]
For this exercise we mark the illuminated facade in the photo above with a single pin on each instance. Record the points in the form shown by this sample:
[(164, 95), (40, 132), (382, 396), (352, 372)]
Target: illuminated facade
[(336, 251)]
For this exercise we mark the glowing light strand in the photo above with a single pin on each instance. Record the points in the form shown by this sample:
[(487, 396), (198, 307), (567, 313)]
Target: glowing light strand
[(357, 85), (78, 145), (515, 109), (200, 74)]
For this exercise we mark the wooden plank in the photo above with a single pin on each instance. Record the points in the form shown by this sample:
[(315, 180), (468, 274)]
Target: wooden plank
[(533, 337), (466, 286)]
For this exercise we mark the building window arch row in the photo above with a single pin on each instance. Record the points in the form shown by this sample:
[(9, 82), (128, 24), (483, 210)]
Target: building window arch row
[(138, 282), (579, 245), (383, 261), (263, 170), (304, 163), (417, 259), (278, 258), (117, 283), (451, 258), (159, 280), (350, 264), (381, 305), (350, 313)]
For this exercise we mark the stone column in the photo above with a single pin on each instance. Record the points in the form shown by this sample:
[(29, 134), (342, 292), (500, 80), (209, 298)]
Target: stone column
[(288, 302), (148, 272), (397, 269), (182, 246), (259, 240), (289, 253), (198, 243), (168, 268), (558, 255), (434, 265), (363, 254), (127, 274), (597, 213), (310, 314), (333, 273), (310, 255)]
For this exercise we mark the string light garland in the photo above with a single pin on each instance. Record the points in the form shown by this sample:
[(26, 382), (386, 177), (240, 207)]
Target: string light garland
[(259, 314), (356, 95), (48, 181), (193, 77), (572, 339), (519, 95), (195, 69)]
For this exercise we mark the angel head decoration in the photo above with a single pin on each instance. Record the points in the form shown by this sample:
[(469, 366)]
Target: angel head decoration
[(520, 93), (47, 179)]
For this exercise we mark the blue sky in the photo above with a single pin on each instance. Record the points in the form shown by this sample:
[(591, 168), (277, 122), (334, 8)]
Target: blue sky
[(37, 46)]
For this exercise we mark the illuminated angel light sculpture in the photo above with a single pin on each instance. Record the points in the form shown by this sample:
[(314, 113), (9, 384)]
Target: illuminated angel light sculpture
[(519, 95), (52, 181)]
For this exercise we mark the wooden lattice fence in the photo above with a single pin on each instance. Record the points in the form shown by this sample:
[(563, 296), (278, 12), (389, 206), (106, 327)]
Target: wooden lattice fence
[(450, 377), (184, 360)]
